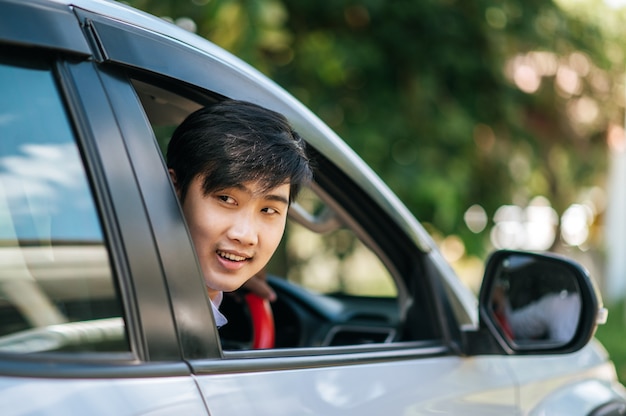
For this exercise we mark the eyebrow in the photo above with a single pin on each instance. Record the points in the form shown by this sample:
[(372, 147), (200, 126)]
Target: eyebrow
[(277, 198), (267, 197)]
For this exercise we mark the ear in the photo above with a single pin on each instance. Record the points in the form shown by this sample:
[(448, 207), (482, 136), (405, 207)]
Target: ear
[(174, 181)]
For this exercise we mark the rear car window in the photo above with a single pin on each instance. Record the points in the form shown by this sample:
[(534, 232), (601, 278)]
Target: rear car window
[(57, 291)]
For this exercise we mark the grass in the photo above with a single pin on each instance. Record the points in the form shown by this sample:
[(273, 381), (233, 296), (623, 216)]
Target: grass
[(612, 335)]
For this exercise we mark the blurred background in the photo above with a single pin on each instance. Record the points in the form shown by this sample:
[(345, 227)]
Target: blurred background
[(500, 123)]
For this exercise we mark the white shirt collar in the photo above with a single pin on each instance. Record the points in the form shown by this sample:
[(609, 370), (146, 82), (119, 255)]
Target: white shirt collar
[(220, 319)]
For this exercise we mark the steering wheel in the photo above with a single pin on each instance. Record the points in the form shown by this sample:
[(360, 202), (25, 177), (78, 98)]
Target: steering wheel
[(263, 330), (250, 322), (504, 323)]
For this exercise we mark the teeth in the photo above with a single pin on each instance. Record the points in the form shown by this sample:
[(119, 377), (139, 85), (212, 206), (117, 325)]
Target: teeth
[(230, 256)]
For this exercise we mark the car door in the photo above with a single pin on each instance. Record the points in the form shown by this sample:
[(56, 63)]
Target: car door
[(421, 370), (85, 322), (104, 307)]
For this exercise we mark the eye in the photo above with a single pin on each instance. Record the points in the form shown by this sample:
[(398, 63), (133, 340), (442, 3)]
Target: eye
[(270, 211), (227, 199)]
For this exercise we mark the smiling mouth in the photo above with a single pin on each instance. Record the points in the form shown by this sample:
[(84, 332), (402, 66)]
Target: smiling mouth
[(230, 256)]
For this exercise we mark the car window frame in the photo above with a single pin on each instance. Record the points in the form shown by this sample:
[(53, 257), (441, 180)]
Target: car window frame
[(182, 274), (125, 222), (432, 345)]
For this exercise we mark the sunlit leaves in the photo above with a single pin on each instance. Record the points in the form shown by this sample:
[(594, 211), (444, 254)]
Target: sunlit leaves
[(454, 103)]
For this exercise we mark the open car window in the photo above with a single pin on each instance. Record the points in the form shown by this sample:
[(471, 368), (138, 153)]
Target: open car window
[(334, 285)]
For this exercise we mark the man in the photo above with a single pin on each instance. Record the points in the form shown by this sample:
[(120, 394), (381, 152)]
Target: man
[(553, 316), (236, 168)]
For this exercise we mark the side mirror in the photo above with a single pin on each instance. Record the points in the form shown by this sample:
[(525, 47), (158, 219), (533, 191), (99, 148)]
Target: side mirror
[(535, 303)]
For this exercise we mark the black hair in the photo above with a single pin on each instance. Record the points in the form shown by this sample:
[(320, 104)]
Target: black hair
[(232, 142)]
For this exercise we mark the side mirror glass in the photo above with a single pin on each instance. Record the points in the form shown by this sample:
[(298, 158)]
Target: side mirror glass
[(538, 301)]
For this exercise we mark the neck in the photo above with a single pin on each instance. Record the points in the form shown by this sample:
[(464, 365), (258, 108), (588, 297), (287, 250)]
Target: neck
[(213, 294)]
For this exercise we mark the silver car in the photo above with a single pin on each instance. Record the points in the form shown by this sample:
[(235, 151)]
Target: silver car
[(103, 309)]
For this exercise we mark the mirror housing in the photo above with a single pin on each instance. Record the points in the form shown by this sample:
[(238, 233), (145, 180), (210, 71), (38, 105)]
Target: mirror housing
[(531, 303)]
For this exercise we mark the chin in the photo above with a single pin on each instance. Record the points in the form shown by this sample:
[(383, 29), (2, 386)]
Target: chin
[(230, 286)]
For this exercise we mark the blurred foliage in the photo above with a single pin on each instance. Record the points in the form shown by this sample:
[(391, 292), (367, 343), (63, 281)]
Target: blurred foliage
[(452, 102)]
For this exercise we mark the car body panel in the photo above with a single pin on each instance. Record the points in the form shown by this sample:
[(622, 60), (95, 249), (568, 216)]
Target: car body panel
[(425, 386), (550, 385), (176, 365), (148, 396)]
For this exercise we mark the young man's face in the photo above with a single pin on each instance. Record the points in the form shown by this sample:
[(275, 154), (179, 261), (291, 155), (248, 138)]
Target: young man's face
[(235, 231)]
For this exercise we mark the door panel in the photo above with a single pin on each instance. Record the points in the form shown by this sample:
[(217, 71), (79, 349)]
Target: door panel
[(572, 384), (120, 397), (422, 386)]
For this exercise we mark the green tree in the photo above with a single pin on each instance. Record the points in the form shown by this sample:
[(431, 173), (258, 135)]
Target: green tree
[(452, 102)]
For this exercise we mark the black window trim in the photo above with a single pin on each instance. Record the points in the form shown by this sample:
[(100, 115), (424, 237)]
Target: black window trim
[(133, 248), (183, 277)]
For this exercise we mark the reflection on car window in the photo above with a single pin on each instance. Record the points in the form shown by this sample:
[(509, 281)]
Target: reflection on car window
[(56, 287)]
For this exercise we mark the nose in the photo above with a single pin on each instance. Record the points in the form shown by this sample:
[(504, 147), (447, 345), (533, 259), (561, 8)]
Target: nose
[(244, 229)]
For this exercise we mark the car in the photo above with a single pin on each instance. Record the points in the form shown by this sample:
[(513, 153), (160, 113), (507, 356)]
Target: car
[(103, 308)]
